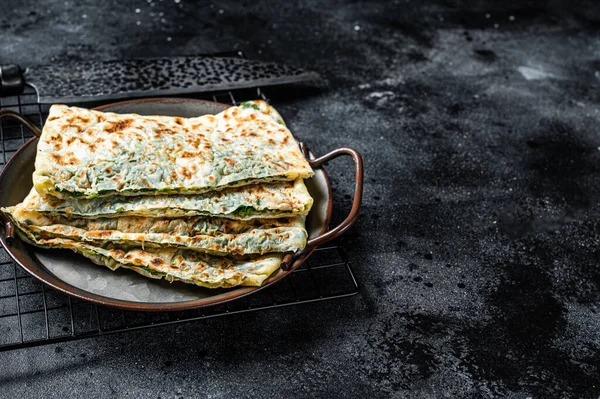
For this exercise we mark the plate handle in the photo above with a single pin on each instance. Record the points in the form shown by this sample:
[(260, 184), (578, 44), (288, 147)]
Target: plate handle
[(5, 113), (358, 191), (9, 228)]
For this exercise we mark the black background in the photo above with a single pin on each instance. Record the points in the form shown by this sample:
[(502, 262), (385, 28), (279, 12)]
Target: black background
[(477, 247)]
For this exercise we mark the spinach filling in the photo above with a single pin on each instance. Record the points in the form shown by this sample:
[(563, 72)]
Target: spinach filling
[(244, 211), (71, 193), (249, 104)]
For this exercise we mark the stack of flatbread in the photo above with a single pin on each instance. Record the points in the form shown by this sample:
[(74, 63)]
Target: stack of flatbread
[(215, 200)]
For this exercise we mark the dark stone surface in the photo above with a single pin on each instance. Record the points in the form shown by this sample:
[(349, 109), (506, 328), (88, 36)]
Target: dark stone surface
[(477, 248)]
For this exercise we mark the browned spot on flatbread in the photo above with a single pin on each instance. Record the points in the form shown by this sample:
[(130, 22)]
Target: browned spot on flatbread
[(185, 172), (59, 159), (194, 142), (178, 121), (157, 262), (145, 182), (119, 125), (74, 138), (79, 119), (100, 234), (78, 128), (189, 154)]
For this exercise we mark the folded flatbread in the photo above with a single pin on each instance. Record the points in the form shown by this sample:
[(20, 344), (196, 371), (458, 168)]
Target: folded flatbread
[(87, 154), (174, 264), (216, 236), (273, 200)]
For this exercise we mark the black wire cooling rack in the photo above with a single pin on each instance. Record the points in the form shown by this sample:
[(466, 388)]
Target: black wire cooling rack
[(32, 314)]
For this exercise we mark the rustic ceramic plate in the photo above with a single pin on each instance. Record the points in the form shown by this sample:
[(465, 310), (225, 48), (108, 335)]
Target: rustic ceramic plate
[(74, 275)]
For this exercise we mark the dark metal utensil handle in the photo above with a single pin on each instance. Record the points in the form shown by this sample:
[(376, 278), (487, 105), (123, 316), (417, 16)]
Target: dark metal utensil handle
[(356, 201), (11, 80), (5, 113)]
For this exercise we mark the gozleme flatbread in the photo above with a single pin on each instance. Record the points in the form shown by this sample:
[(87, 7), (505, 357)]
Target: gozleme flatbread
[(273, 200), (212, 235), (85, 153), (172, 264)]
